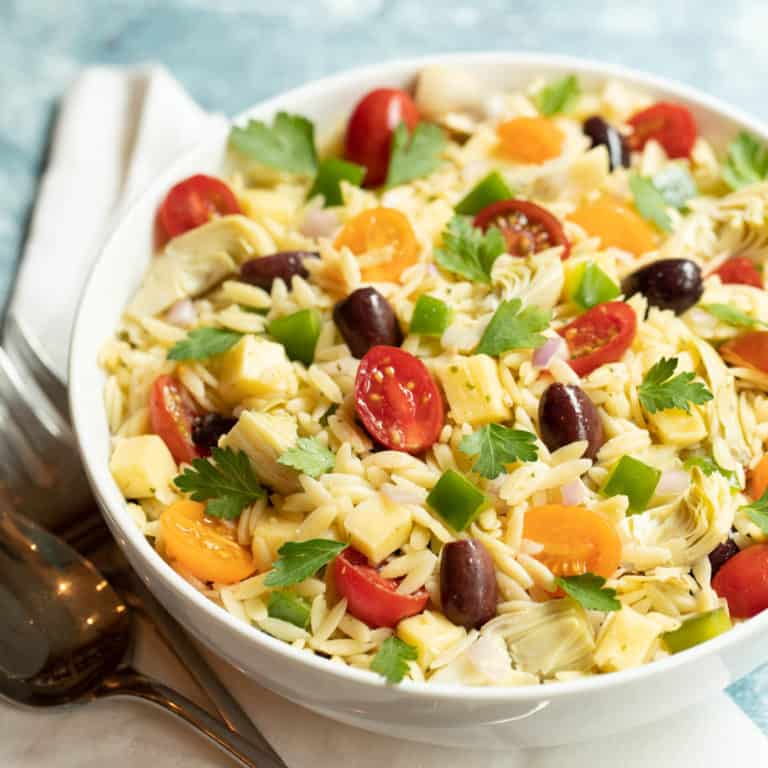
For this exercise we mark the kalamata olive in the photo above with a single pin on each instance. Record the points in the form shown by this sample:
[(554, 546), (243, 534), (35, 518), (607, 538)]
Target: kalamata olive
[(264, 270), (468, 591), (207, 429), (602, 132), (365, 319), (667, 284), (566, 414), (721, 554)]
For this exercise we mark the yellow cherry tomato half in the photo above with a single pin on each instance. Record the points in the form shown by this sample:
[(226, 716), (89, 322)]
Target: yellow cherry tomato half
[(575, 540), (379, 228), (203, 546), (530, 140), (616, 224)]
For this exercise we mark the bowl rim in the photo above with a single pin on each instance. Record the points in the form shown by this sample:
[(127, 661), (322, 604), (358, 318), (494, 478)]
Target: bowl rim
[(108, 495)]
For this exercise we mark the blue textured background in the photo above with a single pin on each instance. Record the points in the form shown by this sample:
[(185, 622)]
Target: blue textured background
[(231, 53)]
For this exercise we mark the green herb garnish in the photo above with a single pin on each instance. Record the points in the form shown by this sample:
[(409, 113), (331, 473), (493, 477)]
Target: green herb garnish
[(649, 202), (747, 161), (227, 483), (559, 96), (732, 316), (660, 390), (512, 327), (309, 456), (330, 174), (203, 343), (468, 251), (391, 660), (590, 590), (414, 155), (497, 446), (757, 512), (301, 559)]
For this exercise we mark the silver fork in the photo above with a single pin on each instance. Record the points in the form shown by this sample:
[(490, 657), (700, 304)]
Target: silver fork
[(41, 477)]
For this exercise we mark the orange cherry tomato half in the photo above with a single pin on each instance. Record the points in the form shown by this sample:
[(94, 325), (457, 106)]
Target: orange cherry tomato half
[(370, 128), (743, 582), (204, 546), (758, 479), (616, 224), (750, 350), (370, 597), (528, 228), (195, 201), (379, 228), (172, 414), (672, 125), (601, 335), (575, 540), (529, 140), (741, 271), (397, 400)]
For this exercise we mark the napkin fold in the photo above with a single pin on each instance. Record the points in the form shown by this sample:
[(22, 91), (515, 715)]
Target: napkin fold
[(116, 131)]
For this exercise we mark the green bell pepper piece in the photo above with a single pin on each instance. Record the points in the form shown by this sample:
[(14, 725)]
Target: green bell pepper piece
[(697, 630), (298, 333), (289, 607), (330, 174), (589, 286), (489, 190), (635, 480), (430, 316), (456, 500)]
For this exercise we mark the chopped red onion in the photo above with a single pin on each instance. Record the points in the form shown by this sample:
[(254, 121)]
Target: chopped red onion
[(400, 495), (673, 481), (319, 222), (182, 313), (554, 347), (573, 492)]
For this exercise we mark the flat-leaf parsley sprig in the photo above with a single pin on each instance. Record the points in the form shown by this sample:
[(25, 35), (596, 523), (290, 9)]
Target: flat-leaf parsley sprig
[(661, 390), (497, 446)]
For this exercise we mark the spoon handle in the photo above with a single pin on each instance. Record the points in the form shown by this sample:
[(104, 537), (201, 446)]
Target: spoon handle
[(128, 682)]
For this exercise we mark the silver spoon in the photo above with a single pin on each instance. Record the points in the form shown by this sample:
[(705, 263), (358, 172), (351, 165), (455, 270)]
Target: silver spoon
[(65, 634)]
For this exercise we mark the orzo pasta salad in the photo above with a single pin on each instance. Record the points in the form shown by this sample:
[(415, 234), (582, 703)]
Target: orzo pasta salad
[(473, 392)]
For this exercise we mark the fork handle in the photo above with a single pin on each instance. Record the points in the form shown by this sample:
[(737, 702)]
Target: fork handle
[(129, 683)]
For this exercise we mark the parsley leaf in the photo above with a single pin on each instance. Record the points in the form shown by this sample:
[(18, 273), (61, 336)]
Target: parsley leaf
[(497, 446), (228, 485), (649, 202), (301, 559), (590, 590), (511, 328), (414, 155), (203, 343), (309, 456), (288, 145), (660, 390), (747, 161), (392, 659), (676, 185), (330, 174), (468, 251), (559, 96), (757, 512), (732, 316), (707, 465)]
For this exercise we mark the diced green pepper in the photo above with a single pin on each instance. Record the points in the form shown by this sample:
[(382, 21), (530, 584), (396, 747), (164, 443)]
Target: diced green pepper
[(489, 190), (635, 480), (588, 286), (697, 630), (298, 333), (289, 607), (330, 174), (456, 500), (430, 316)]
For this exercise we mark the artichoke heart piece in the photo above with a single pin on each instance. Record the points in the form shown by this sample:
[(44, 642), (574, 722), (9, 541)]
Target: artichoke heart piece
[(538, 280), (693, 527), (626, 639), (196, 261), (676, 427), (265, 437), (546, 638)]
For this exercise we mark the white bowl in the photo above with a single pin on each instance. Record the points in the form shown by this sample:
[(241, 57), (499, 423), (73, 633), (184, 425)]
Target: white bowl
[(448, 715)]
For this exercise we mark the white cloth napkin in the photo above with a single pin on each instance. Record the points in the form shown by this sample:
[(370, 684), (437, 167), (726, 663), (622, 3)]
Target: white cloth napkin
[(117, 129)]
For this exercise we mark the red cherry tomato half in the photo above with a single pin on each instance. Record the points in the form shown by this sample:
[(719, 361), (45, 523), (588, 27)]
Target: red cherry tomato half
[(397, 400), (369, 130), (527, 227), (599, 336), (743, 582), (370, 597), (195, 201), (750, 350), (171, 413), (740, 270), (672, 125)]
